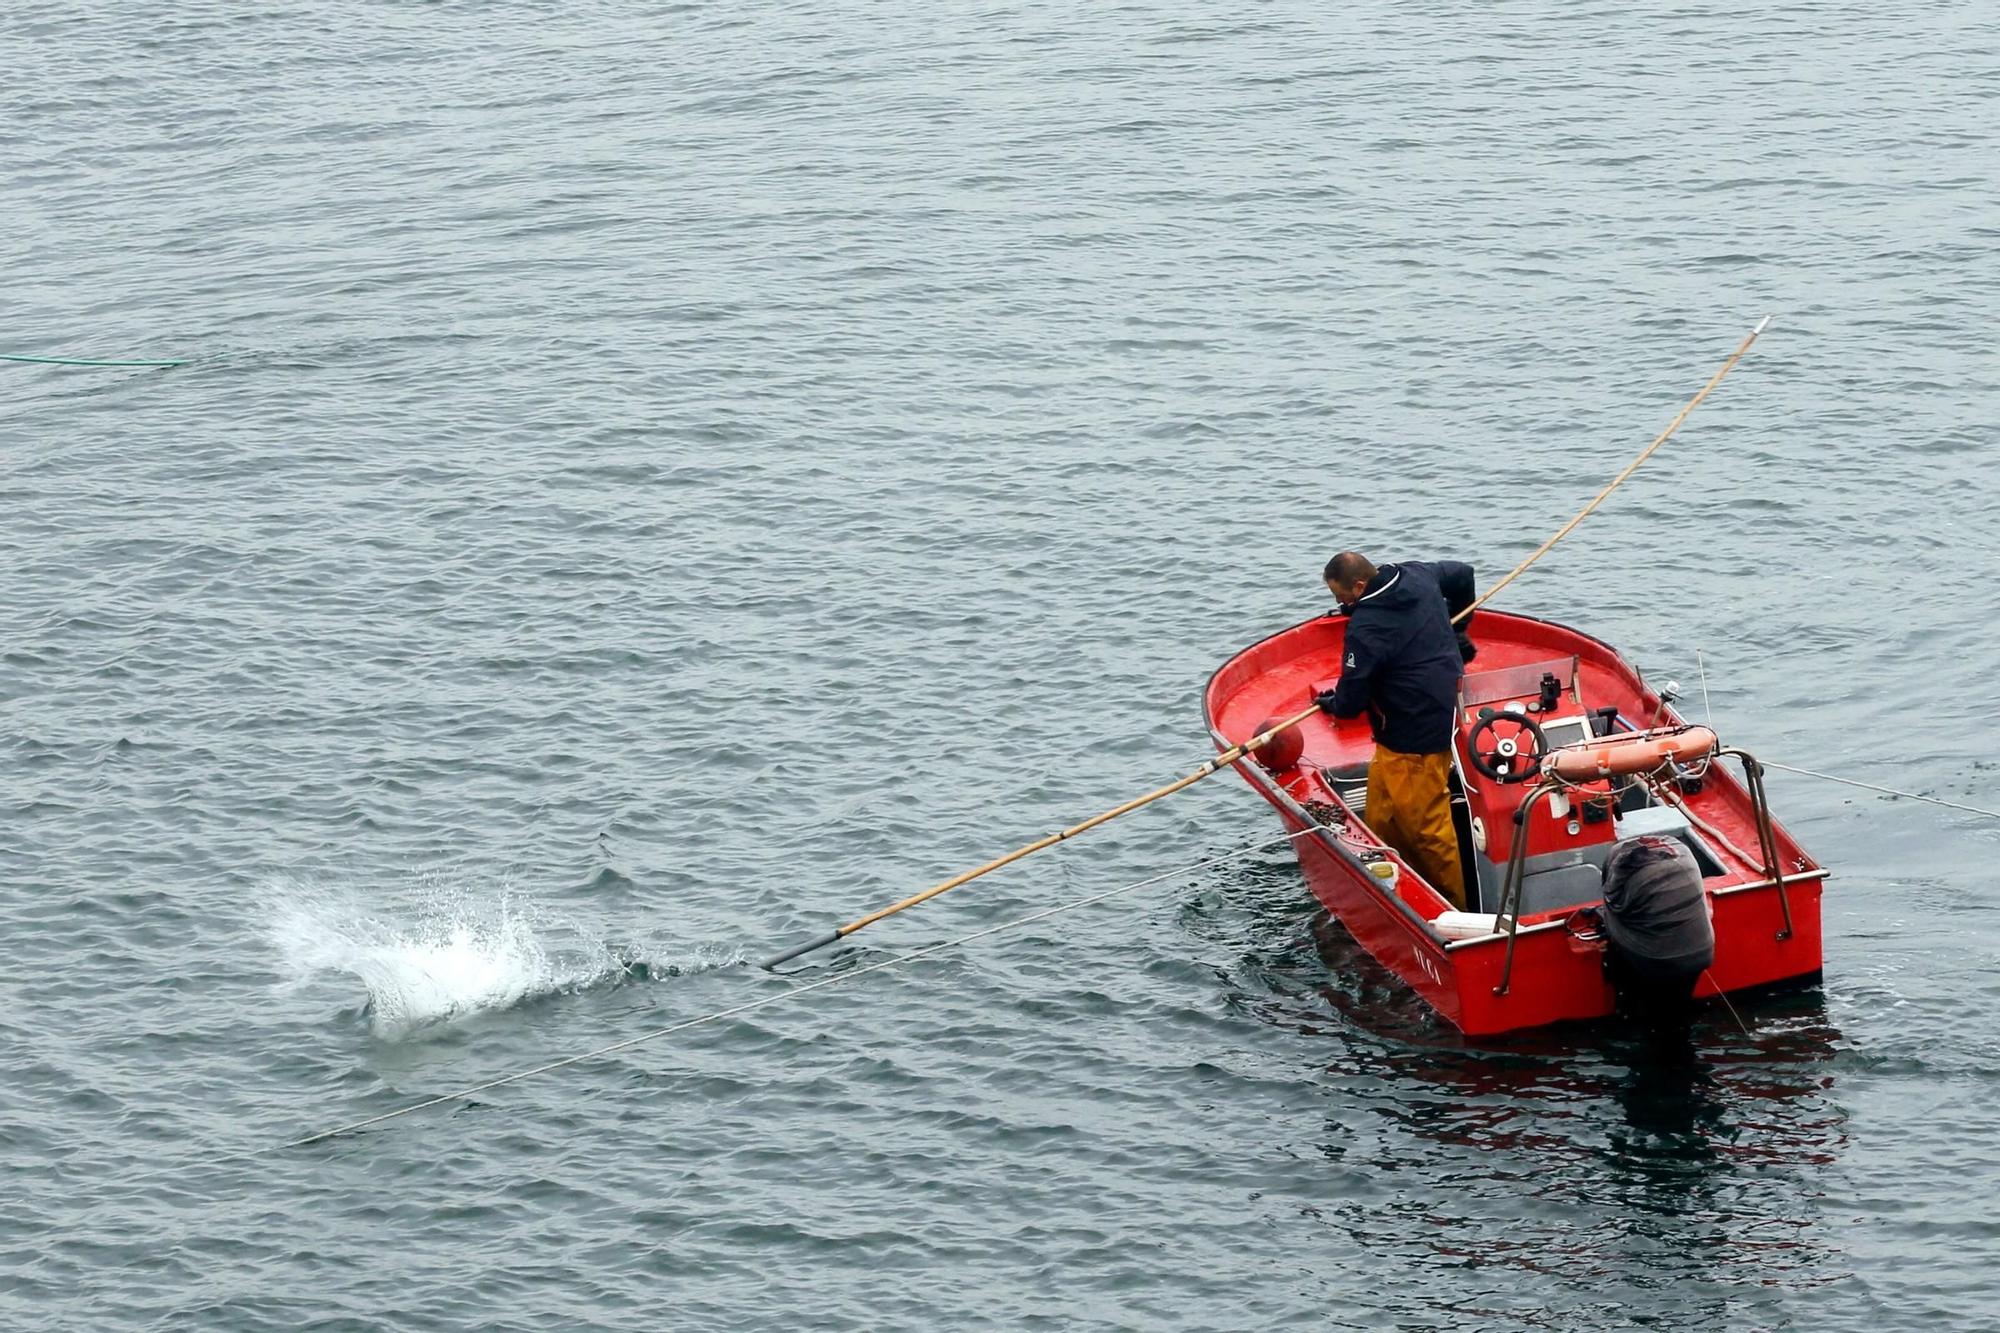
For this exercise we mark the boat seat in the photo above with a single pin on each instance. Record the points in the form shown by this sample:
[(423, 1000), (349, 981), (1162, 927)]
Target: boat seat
[(1666, 820), (1350, 783), (1562, 886)]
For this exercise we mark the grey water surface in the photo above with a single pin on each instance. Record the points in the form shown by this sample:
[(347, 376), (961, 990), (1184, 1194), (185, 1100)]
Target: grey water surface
[(650, 485)]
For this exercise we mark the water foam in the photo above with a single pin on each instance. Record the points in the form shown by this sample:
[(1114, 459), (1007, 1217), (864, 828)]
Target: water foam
[(455, 954)]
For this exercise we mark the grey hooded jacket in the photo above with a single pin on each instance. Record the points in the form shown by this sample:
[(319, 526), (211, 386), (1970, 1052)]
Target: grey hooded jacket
[(1654, 908)]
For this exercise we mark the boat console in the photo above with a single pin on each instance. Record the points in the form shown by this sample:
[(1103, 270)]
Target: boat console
[(1509, 720)]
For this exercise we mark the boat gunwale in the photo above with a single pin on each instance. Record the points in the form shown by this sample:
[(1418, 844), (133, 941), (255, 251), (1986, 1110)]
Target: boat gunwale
[(1274, 791), (1724, 891), (1208, 688)]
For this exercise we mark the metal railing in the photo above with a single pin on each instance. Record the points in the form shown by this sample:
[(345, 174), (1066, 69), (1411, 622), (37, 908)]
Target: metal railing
[(1517, 857)]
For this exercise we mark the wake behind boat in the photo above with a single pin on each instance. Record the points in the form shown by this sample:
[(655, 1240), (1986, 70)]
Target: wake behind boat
[(1560, 755)]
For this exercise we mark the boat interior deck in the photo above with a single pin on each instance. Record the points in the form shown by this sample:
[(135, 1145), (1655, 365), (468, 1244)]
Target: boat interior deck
[(1575, 688)]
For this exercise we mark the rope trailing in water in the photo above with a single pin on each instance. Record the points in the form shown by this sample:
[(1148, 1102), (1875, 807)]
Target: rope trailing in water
[(1886, 791), (792, 993), (85, 361), (1723, 996), (1236, 752)]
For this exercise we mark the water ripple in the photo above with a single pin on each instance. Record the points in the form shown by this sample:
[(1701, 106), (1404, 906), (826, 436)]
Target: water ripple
[(647, 488)]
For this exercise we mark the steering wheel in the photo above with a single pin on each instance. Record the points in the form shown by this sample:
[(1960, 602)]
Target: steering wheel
[(1512, 755)]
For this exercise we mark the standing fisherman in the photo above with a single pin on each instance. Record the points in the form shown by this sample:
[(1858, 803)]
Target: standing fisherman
[(1402, 665)]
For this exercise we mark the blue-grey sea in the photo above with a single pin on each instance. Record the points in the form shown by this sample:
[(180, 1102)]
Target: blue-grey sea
[(651, 483)]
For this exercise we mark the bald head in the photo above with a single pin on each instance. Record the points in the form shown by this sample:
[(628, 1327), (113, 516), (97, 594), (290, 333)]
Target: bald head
[(1347, 576), (1349, 566)]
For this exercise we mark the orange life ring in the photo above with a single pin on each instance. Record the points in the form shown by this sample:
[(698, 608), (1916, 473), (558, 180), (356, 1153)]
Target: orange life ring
[(1629, 752)]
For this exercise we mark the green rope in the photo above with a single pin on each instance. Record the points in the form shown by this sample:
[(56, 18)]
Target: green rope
[(76, 361)]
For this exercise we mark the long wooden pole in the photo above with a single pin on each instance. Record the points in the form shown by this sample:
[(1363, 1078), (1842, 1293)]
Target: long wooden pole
[(1223, 760), (1236, 752)]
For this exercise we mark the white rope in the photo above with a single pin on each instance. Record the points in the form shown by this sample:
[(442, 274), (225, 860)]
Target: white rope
[(1886, 791), (834, 980), (1723, 996)]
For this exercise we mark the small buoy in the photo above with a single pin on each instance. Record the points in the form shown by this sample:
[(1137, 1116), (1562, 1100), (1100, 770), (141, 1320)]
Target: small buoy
[(1282, 750)]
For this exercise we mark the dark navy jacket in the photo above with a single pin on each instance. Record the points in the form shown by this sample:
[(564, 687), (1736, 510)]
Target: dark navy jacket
[(1402, 662)]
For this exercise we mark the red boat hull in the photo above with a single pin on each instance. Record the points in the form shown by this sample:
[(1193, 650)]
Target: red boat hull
[(1765, 933)]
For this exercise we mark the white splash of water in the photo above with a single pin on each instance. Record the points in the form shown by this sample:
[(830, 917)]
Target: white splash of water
[(456, 955)]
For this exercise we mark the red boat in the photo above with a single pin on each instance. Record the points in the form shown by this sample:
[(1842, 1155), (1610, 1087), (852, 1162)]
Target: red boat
[(1561, 751)]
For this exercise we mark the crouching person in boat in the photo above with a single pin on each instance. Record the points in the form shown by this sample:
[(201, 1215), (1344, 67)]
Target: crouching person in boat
[(1402, 664), (1659, 934)]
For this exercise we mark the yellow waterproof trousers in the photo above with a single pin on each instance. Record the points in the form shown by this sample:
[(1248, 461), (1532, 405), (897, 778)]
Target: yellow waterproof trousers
[(1409, 807)]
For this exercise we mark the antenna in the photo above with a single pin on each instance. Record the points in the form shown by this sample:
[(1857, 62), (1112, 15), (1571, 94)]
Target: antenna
[(1710, 712)]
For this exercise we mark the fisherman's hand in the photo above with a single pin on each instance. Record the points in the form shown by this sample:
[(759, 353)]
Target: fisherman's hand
[(1467, 649), (1325, 701)]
